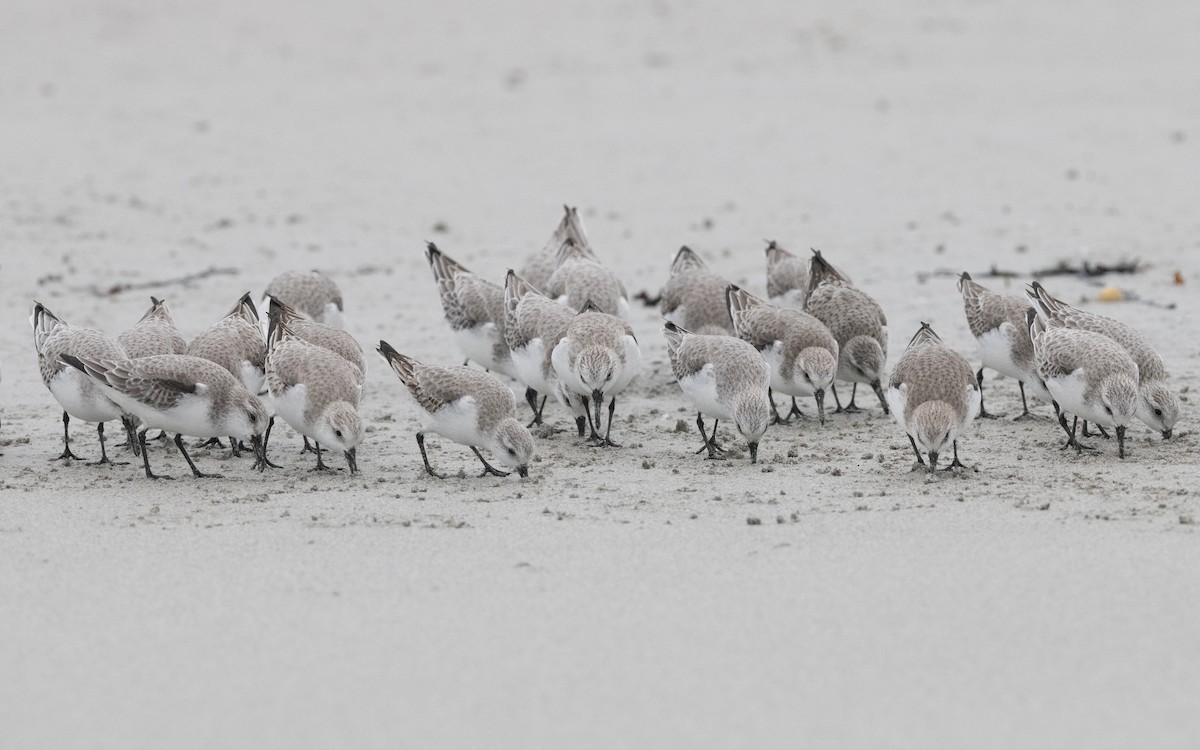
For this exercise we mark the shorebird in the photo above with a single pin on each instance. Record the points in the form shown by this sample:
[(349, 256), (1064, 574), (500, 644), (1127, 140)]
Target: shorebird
[(311, 294), (474, 308), (726, 378), (533, 326), (934, 396), (580, 278), (75, 393), (595, 359), (858, 324), (154, 334), (236, 343), (541, 265), (997, 322), (181, 394), (470, 407), (316, 391), (1158, 406), (694, 296), (1088, 375), (800, 350)]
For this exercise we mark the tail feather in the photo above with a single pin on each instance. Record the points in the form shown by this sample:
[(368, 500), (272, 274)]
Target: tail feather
[(444, 267), (158, 309), (1046, 305), (44, 322), (924, 335), (686, 259), (821, 271), (775, 255), (245, 310), (674, 335), (738, 301), (279, 320), (403, 366), (571, 249), (575, 229), (970, 289)]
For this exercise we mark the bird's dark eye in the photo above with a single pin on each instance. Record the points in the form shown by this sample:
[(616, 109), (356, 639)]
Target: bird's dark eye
[(337, 432), (1108, 411), (253, 416), (511, 452), (1158, 412)]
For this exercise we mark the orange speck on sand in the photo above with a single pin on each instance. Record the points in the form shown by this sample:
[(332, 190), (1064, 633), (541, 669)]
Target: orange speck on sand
[(1178, 280), (1110, 294)]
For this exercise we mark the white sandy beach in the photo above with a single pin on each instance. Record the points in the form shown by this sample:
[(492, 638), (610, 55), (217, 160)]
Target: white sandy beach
[(632, 597)]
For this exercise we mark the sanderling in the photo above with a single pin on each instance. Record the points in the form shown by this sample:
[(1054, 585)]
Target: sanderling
[(470, 407), (335, 340), (799, 349), (316, 391), (858, 324), (474, 308), (934, 396), (76, 393), (997, 322), (1158, 406), (311, 294), (694, 296), (236, 343), (533, 326), (539, 267), (787, 277), (325, 336), (726, 379), (1088, 374), (154, 334), (580, 278), (595, 359), (180, 394)]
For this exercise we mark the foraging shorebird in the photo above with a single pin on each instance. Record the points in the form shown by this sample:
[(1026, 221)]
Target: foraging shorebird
[(726, 378), (934, 396), (858, 324), (997, 321), (470, 407), (1089, 376)]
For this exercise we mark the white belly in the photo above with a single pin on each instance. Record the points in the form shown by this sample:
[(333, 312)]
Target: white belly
[(701, 388), (290, 405), (995, 351), (457, 421), (527, 364), (1068, 391), (80, 397), (478, 344)]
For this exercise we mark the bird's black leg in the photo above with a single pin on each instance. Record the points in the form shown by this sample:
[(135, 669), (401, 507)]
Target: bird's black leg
[(1071, 441), (920, 458), (146, 458), (612, 406), (775, 418), (710, 443), (66, 455), (956, 462), (983, 412), (1025, 414), (191, 464), (262, 462), (795, 410), (488, 468), (321, 466), (428, 469), (103, 454), (531, 399)]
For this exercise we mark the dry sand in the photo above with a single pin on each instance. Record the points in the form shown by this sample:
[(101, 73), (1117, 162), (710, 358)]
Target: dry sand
[(617, 598)]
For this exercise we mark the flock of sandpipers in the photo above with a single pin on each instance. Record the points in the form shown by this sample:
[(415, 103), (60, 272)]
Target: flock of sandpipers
[(560, 329)]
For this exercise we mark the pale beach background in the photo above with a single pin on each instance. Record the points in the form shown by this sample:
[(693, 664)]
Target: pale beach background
[(617, 598)]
